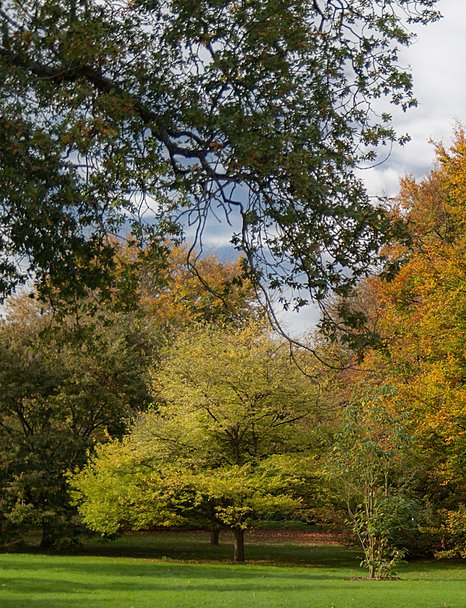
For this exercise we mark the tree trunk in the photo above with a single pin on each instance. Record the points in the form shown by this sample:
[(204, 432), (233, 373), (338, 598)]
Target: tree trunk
[(48, 537), (372, 555), (214, 536), (238, 536), (3, 528)]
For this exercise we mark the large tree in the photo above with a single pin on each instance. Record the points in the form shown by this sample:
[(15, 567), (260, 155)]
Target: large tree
[(227, 445), (63, 386), (420, 321), (424, 325), (253, 111)]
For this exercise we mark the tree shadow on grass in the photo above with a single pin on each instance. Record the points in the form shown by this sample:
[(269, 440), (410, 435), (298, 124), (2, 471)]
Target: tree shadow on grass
[(58, 583), (80, 582), (195, 547), (122, 567)]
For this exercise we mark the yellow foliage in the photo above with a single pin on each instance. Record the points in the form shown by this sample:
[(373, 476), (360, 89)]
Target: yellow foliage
[(421, 314)]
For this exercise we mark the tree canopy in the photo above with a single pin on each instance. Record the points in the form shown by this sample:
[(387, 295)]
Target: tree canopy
[(419, 317), (223, 447), (255, 112), (164, 288), (63, 387), (70, 380)]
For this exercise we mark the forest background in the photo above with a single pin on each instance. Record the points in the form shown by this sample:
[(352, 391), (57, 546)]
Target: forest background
[(163, 390), (162, 382)]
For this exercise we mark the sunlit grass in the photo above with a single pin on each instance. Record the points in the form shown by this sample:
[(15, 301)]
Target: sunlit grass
[(321, 578)]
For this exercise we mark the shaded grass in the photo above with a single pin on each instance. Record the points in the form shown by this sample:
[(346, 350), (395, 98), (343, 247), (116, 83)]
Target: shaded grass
[(51, 581), (195, 546)]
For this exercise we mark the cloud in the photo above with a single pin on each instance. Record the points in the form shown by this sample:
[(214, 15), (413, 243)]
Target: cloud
[(436, 61)]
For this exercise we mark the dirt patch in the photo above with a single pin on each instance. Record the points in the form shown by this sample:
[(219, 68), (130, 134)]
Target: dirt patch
[(375, 578), (296, 537), (270, 536)]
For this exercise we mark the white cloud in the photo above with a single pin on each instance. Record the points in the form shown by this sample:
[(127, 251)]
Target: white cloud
[(437, 61)]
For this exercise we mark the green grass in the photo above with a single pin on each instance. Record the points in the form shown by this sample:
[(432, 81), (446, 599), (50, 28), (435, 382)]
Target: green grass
[(321, 578)]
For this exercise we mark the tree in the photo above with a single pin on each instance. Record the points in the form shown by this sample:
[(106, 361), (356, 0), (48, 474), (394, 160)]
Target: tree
[(62, 388), (373, 471), (173, 294), (256, 112), (228, 442), (419, 318)]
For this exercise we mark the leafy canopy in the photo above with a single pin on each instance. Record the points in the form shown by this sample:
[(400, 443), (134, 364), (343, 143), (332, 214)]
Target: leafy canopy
[(164, 288), (420, 320), (253, 111), (225, 445), (63, 386)]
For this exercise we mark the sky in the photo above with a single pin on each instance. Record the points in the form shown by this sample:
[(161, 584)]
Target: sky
[(438, 63)]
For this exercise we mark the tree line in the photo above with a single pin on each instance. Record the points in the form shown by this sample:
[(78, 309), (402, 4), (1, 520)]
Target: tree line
[(152, 367), (180, 407)]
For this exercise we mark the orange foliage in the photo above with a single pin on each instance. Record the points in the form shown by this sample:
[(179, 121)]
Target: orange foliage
[(213, 291), (175, 294), (421, 316)]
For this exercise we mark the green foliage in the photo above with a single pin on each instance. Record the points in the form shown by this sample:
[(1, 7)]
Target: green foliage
[(116, 478), (373, 469), (255, 112), (62, 388), (221, 448), (240, 388), (76, 377)]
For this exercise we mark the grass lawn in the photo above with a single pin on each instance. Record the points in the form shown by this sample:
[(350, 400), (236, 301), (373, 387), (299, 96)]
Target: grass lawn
[(282, 572)]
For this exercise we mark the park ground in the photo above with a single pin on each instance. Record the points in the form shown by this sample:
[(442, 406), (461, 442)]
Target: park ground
[(294, 569)]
